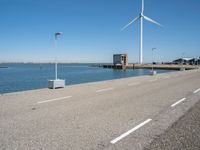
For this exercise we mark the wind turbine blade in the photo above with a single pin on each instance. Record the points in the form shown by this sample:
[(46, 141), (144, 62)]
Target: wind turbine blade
[(134, 20), (142, 6), (151, 20)]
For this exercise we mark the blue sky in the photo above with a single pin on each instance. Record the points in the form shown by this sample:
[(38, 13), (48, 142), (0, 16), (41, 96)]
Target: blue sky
[(92, 30)]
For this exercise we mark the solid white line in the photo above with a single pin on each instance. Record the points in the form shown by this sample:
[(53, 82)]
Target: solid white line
[(178, 102), (130, 131), (56, 99), (196, 91), (103, 90), (133, 84)]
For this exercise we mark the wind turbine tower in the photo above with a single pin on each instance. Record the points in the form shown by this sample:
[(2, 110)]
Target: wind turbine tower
[(141, 17)]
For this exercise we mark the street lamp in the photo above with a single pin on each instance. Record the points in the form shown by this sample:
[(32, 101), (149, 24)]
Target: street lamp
[(182, 62), (152, 71), (152, 57), (56, 64), (183, 59), (57, 83)]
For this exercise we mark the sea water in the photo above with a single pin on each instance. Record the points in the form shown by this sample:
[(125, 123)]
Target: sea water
[(20, 77)]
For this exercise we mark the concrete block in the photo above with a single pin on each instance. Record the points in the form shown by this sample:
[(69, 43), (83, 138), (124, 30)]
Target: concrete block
[(53, 84)]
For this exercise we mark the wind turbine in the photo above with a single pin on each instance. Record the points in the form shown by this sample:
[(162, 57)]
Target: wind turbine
[(141, 17)]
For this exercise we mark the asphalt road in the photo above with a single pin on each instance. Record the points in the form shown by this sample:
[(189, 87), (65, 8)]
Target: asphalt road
[(116, 114), (183, 134)]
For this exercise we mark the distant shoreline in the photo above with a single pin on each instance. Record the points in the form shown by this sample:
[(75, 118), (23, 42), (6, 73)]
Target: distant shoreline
[(2, 63)]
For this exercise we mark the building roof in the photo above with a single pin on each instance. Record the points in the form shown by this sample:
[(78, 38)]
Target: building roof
[(185, 59), (120, 54)]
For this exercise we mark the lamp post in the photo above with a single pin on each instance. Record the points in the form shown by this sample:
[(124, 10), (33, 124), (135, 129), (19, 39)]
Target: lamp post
[(182, 62), (183, 54), (152, 58), (57, 83), (152, 72), (56, 64)]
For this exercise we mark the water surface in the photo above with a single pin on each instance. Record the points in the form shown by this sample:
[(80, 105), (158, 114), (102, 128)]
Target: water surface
[(20, 77)]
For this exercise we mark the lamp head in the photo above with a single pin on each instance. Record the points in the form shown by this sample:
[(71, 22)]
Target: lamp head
[(57, 34)]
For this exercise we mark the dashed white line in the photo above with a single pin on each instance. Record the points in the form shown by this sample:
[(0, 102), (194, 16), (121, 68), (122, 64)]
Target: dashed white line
[(56, 99), (183, 99), (196, 91), (165, 77), (130, 131), (153, 80), (104, 90), (98, 82), (133, 84), (176, 75)]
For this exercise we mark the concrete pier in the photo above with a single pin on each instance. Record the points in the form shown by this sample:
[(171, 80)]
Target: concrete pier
[(116, 114), (149, 66)]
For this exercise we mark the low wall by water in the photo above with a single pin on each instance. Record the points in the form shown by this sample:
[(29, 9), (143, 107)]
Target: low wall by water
[(149, 66)]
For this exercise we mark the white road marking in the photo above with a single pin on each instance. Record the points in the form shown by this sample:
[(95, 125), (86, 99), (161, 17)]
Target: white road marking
[(130, 131), (104, 90), (98, 82), (165, 77), (133, 84), (177, 75), (196, 91), (153, 80), (56, 99), (183, 99)]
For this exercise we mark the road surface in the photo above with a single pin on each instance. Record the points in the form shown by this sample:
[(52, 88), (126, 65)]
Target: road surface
[(183, 134), (109, 115)]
